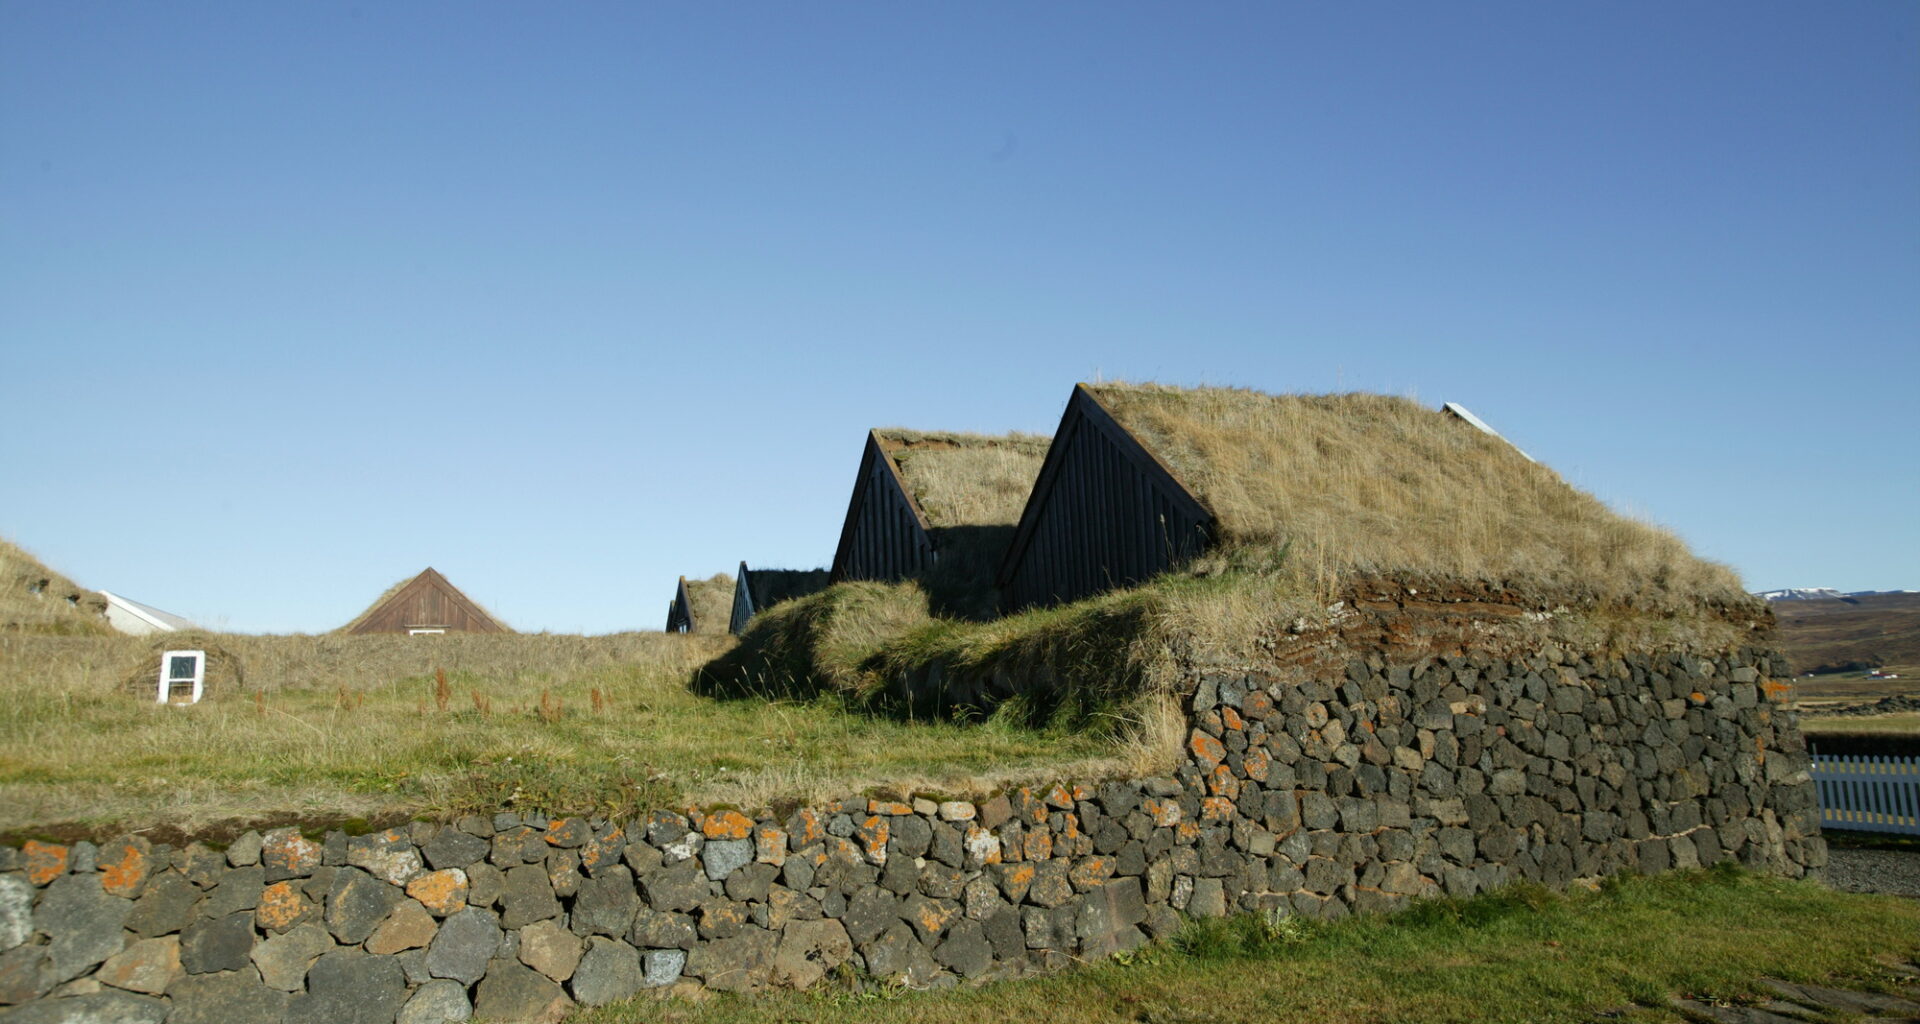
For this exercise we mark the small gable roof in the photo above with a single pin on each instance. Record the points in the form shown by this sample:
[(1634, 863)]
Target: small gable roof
[(756, 590), (427, 601), (148, 613)]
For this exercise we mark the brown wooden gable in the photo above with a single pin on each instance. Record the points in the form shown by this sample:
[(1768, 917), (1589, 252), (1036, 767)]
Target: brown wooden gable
[(885, 534), (427, 601), (1104, 513)]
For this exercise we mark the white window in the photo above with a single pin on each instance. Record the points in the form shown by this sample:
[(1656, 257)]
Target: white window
[(425, 631), (183, 676)]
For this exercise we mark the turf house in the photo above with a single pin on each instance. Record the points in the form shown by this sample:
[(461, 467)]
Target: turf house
[(937, 507)]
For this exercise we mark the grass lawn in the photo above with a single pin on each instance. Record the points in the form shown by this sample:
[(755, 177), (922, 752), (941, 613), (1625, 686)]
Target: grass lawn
[(1519, 955), (1906, 722), (608, 738)]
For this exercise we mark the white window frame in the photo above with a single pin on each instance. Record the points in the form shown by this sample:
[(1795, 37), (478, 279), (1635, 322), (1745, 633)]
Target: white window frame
[(167, 680), (425, 631)]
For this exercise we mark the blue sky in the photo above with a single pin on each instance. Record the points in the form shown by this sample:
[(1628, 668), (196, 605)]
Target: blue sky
[(566, 300)]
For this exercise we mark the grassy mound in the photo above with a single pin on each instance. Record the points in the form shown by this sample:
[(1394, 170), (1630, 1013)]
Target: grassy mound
[(35, 599)]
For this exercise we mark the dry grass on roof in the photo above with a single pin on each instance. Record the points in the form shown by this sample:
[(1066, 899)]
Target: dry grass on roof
[(35, 599), (711, 602), (967, 479), (1371, 484)]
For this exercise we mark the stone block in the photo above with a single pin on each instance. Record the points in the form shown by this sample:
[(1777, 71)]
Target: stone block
[(610, 970), (83, 923), (283, 960)]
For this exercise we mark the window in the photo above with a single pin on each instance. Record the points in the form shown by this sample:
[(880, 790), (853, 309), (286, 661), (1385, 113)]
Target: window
[(425, 631), (183, 676)]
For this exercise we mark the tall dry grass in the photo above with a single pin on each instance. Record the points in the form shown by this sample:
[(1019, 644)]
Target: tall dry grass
[(1328, 487)]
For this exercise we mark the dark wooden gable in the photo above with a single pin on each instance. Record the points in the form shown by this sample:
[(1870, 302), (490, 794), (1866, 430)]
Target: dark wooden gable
[(743, 608), (680, 611), (427, 601), (885, 535), (1104, 513)]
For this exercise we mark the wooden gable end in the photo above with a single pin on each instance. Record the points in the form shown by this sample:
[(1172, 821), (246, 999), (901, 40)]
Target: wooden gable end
[(1105, 513), (680, 610), (885, 533), (427, 602), (743, 608)]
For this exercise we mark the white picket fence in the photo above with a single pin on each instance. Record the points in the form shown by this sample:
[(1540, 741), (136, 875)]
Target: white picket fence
[(1868, 793)]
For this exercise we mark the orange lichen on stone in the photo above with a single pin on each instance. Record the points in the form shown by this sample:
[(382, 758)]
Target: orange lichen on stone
[(281, 907), (1257, 704), (1231, 719), (727, 825), (873, 834), (604, 850), (45, 861), (1186, 831), (1060, 798), (1220, 782), (1257, 765), (1215, 808), (289, 851), (1206, 749), (1776, 690), (1090, 871), (1163, 812), (934, 916), (124, 866), (1082, 792), (806, 827), (770, 845), (1039, 845), (1018, 878), (442, 892), (1697, 697), (888, 807), (1070, 826)]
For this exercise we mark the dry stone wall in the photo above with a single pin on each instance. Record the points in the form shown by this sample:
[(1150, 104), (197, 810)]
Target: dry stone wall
[(1338, 795)]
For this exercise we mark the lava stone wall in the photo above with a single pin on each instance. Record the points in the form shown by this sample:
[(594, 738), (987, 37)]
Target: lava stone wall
[(1322, 798)]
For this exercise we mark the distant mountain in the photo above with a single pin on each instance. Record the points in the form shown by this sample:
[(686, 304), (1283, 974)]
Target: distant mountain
[(1823, 594), (1802, 594), (1851, 631)]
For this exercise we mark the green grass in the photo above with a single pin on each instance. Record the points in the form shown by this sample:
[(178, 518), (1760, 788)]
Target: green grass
[(106, 759), (1523, 954)]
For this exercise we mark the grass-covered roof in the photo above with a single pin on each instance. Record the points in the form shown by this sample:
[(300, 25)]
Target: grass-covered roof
[(1354, 484), (971, 488), (35, 599), (710, 602), (966, 479)]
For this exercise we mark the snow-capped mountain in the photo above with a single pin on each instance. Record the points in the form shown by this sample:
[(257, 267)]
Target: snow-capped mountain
[(1821, 594)]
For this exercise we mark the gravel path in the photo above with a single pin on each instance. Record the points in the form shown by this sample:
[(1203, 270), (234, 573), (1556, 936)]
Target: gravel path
[(1888, 871)]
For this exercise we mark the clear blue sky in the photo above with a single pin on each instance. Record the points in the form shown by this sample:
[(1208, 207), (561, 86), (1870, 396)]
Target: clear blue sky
[(566, 300)]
